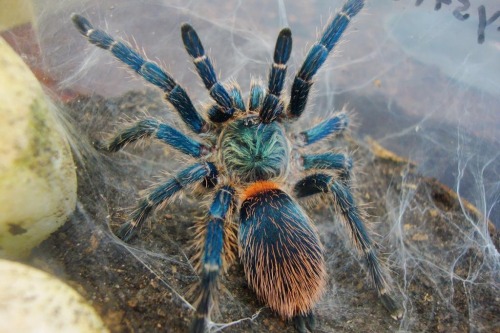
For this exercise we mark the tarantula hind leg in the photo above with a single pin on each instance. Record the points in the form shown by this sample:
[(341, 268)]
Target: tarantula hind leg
[(391, 306), (346, 207), (212, 256), (305, 322)]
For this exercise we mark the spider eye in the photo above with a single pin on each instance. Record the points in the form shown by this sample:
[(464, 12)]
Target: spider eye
[(251, 121)]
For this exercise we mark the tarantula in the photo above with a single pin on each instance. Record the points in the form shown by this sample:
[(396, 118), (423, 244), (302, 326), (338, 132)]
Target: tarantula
[(244, 156)]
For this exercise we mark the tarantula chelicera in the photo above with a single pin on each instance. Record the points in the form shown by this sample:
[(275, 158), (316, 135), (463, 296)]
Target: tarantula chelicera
[(244, 157)]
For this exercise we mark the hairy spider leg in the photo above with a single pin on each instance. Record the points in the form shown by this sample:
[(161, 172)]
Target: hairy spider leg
[(205, 173), (149, 70), (280, 250), (273, 107), (335, 124), (148, 128), (329, 161), (302, 321), (345, 205), (224, 108), (212, 259), (257, 93), (317, 56), (235, 93)]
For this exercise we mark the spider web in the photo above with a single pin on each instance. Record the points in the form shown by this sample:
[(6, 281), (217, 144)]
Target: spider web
[(420, 85)]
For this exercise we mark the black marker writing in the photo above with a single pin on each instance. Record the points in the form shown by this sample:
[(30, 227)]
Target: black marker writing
[(483, 22), (439, 2), (456, 12), (465, 5)]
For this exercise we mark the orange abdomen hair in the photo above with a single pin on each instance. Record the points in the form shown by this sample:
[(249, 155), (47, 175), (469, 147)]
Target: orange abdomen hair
[(281, 251)]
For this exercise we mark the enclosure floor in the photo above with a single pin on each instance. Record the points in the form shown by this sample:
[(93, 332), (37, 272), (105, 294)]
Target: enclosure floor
[(419, 225)]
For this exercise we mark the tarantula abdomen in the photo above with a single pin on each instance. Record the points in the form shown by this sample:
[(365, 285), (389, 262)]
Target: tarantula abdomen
[(280, 251)]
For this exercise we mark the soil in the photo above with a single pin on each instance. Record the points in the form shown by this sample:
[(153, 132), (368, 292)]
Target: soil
[(444, 266)]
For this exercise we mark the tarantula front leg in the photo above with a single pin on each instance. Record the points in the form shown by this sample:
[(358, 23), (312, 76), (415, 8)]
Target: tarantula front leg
[(214, 249), (224, 109), (148, 128), (272, 106), (345, 205), (204, 173), (149, 70), (317, 56)]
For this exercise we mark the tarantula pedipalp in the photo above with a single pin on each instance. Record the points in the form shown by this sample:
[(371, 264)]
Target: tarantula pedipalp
[(244, 157)]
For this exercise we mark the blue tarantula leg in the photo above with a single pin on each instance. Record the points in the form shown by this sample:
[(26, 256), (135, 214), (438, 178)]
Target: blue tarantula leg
[(346, 207), (205, 69), (149, 70), (216, 112), (152, 128), (280, 250), (329, 161), (217, 115), (303, 321), (235, 93), (282, 52), (212, 257), (317, 56), (335, 124), (257, 94), (205, 173), (273, 107)]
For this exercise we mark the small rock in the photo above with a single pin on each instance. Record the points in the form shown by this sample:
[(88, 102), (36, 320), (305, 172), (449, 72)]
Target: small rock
[(37, 173), (34, 301)]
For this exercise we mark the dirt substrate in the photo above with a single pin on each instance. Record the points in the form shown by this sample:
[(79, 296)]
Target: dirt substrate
[(444, 266)]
